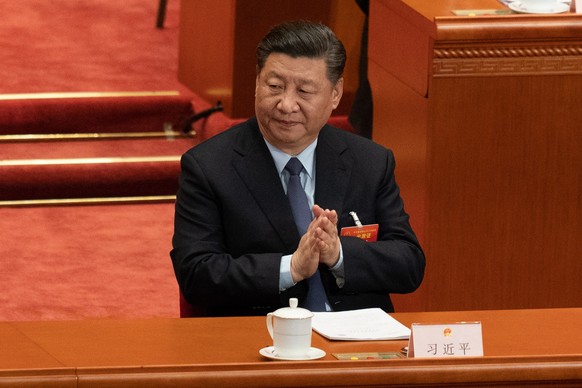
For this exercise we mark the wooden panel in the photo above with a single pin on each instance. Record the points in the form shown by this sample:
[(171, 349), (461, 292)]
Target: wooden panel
[(402, 107), (23, 363), (206, 49), (402, 46), (531, 347), (116, 343), (505, 203), (18, 351), (496, 140)]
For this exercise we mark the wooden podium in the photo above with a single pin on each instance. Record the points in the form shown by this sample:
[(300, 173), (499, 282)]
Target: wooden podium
[(484, 114), (218, 40), (525, 348)]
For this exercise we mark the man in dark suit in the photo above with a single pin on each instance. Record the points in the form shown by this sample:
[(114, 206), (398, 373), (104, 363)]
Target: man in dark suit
[(237, 249)]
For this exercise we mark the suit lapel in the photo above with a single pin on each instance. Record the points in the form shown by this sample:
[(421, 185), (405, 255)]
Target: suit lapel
[(257, 170), (333, 170)]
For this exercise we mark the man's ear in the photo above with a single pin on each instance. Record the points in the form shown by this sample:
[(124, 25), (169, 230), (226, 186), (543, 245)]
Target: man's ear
[(257, 81), (337, 92)]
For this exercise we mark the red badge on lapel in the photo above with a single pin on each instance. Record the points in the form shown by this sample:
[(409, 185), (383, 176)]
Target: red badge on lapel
[(367, 233)]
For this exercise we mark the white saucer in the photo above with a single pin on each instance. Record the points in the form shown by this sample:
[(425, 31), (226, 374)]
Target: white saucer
[(559, 8), (312, 354)]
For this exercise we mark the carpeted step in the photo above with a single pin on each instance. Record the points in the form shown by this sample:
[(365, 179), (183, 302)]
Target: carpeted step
[(91, 178), (91, 169), (69, 149), (48, 113)]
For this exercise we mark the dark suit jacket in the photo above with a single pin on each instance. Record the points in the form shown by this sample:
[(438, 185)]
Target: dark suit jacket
[(233, 223)]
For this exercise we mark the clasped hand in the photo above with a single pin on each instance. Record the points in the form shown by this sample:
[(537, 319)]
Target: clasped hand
[(319, 244)]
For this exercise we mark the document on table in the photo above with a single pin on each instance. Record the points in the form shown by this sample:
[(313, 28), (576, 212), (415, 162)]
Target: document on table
[(371, 324)]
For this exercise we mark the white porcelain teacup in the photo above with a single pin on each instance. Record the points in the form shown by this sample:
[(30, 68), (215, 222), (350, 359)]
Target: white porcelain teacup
[(539, 5), (290, 329)]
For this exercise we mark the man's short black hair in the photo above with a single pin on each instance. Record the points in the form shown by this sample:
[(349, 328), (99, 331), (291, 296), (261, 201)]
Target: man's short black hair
[(304, 39)]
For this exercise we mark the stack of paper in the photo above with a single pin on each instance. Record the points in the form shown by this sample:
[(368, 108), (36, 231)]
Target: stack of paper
[(359, 325)]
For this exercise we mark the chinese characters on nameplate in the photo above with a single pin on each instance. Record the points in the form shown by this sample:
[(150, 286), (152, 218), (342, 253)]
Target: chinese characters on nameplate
[(462, 339)]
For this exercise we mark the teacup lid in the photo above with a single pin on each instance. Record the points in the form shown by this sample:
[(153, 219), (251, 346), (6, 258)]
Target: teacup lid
[(293, 312)]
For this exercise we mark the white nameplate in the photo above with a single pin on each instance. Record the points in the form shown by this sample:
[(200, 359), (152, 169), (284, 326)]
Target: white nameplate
[(461, 339)]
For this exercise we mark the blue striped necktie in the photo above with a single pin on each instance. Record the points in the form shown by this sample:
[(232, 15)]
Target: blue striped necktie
[(316, 299)]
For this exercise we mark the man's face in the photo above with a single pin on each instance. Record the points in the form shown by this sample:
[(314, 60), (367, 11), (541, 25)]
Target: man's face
[(293, 100)]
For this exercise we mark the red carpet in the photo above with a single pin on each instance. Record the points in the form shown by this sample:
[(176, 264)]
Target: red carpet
[(74, 262), (87, 45)]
